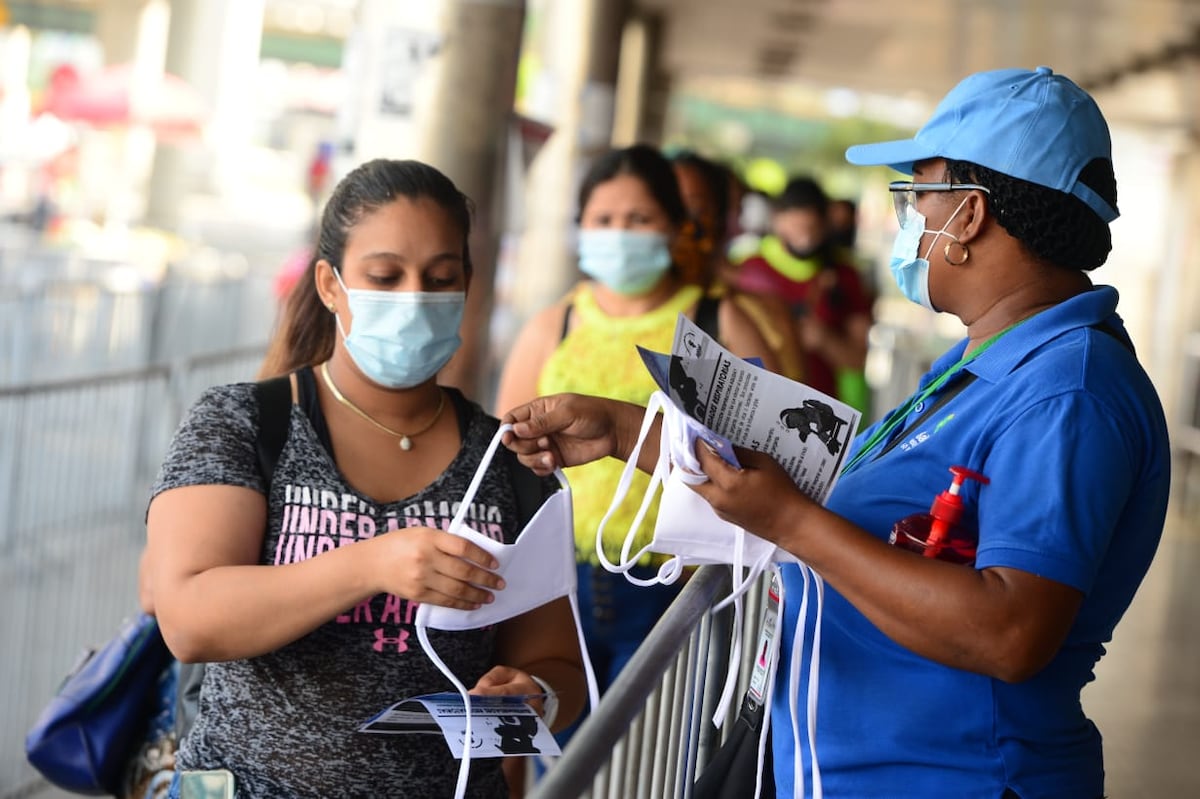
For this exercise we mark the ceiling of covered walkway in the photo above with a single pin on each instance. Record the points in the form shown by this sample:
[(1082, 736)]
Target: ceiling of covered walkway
[(1137, 55)]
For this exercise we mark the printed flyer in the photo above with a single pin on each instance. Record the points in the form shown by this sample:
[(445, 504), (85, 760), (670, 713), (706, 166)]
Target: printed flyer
[(735, 401), (501, 726)]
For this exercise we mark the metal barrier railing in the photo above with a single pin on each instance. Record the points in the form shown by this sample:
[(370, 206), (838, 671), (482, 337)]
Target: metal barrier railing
[(652, 733), (77, 458), (65, 323)]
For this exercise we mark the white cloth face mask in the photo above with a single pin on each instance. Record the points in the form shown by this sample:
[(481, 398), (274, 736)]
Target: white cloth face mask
[(687, 528), (690, 530), (537, 568)]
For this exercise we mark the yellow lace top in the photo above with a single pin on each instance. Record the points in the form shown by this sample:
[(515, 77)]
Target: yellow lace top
[(599, 357)]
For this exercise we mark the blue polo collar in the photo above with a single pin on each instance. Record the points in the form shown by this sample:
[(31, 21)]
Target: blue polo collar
[(1083, 310)]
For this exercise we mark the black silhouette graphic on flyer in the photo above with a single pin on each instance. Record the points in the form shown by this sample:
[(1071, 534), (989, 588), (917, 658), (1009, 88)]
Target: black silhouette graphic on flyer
[(815, 417), (516, 735), (685, 388)]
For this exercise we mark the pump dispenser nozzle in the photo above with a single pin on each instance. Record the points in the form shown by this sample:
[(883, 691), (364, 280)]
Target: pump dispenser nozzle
[(947, 509), (938, 534)]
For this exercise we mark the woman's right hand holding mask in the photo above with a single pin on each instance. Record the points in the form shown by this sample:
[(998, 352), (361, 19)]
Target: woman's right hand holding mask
[(422, 564)]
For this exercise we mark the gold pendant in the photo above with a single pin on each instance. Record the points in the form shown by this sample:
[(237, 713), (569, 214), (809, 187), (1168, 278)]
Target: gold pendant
[(405, 443)]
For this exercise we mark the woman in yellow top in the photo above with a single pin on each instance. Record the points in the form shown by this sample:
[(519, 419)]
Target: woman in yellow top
[(630, 214)]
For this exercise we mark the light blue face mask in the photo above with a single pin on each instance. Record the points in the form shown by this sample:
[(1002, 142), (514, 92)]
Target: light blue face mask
[(400, 339), (909, 270), (625, 261)]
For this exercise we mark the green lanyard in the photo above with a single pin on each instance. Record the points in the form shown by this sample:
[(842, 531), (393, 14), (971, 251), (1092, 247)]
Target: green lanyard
[(885, 430)]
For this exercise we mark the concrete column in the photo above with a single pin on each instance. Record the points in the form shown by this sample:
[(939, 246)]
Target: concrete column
[(638, 82), (133, 32), (437, 84), (213, 45), (576, 94), (15, 47)]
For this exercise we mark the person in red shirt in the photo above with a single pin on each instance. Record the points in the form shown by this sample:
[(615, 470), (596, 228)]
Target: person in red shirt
[(830, 304)]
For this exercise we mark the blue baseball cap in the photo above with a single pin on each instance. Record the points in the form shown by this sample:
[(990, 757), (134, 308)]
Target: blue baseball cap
[(1033, 125)]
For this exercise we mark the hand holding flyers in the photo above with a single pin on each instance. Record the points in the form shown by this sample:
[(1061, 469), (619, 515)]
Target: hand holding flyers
[(504, 726), (726, 401)]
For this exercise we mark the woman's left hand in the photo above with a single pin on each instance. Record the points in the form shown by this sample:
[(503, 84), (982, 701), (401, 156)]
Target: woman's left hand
[(760, 497), (507, 681)]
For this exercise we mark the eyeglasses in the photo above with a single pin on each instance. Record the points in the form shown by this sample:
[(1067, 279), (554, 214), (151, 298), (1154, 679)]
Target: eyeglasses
[(904, 195)]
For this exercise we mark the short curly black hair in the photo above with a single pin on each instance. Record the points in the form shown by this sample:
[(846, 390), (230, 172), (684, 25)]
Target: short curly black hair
[(1053, 225)]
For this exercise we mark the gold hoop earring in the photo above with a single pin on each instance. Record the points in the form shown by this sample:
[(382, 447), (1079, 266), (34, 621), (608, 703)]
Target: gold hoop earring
[(965, 256)]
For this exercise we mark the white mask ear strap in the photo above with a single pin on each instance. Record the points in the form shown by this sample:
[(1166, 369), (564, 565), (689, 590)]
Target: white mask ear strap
[(670, 570), (628, 561), (337, 318), (573, 598), (735, 640), (814, 679), (486, 461), (740, 586), (794, 685), (464, 766), (943, 231), (589, 672)]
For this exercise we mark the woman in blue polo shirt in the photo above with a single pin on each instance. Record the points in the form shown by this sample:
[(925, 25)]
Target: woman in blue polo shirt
[(938, 679)]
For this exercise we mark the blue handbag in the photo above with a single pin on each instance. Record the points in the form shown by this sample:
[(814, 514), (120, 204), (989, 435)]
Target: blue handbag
[(83, 740)]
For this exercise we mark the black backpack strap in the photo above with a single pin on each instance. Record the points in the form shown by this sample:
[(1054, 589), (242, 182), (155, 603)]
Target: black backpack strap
[(274, 415), (274, 398), (707, 316), (566, 320), (530, 492)]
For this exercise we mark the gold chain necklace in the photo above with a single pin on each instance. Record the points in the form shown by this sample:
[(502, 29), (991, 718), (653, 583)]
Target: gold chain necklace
[(405, 438)]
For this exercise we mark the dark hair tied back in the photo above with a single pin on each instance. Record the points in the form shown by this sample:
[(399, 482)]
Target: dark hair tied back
[(645, 163), (376, 183), (306, 330)]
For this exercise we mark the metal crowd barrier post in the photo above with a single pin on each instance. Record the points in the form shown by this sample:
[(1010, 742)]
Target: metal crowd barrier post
[(644, 739)]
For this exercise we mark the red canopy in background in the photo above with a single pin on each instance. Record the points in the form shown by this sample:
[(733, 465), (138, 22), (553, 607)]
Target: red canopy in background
[(169, 104)]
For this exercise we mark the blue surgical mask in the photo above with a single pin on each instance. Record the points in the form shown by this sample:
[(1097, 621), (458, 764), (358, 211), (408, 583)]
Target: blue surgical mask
[(909, 269), (625, 261), (400, 339)]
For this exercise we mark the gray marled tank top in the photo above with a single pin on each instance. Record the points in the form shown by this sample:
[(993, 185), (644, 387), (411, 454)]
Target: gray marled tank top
[(284, 723)]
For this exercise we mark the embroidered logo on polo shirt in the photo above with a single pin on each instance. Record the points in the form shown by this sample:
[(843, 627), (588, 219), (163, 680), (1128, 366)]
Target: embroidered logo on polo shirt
[(923, 436)]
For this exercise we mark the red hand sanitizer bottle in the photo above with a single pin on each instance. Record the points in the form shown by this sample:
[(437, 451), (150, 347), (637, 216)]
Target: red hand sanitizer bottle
[(937, 534)]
